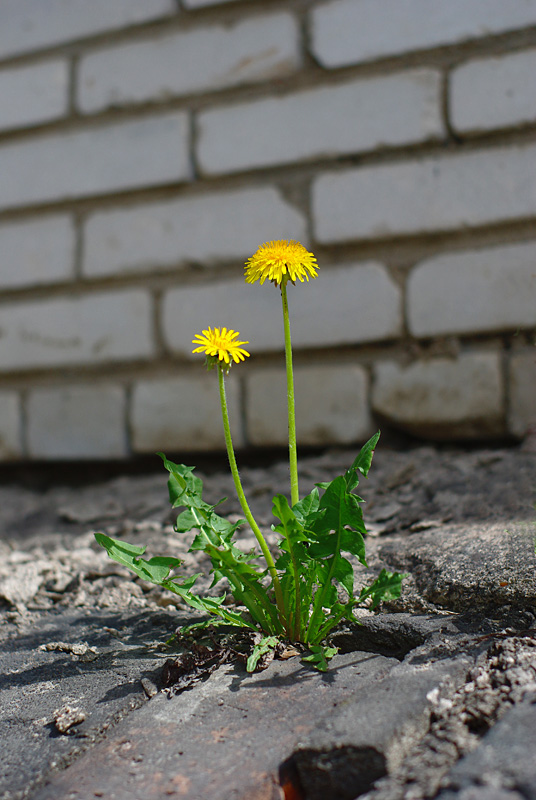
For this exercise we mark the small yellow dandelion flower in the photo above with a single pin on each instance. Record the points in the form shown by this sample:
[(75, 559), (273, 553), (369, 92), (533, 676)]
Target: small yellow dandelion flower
[(281, 261), (219, 344)]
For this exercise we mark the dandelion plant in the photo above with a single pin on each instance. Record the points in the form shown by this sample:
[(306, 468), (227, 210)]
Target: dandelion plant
[(306, 587)]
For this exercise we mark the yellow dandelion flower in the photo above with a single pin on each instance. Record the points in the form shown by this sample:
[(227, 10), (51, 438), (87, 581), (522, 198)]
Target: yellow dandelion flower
[(219, 344), (281, 261)]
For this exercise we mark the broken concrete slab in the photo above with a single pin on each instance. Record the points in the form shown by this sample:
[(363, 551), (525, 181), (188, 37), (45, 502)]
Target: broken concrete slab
[(371, 735), (471, 566), (504, 762), (64, 681), (442, 514), (227, 738)]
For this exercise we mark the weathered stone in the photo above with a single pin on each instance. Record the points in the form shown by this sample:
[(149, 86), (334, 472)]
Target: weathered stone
[(226, 738), (410, 694), (105, 688), (371, 734), (471, 567), (504, 764)]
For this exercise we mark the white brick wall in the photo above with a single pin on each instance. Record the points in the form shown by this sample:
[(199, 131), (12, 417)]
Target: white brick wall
[(481, 290), (326, 122), (431, 194), (352, 31), (10, 426), (442, 397), (94, 329), (494, 93), (179, 414), (32, 24), (148, 147), (198, 60), (193, 4), (344, 305), (36, 251), (77, 422), (207, 228), (331, 405), (522, 406), (33, 95), (126, 155)]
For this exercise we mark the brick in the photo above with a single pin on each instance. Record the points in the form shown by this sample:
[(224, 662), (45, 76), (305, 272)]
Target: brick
[(37, 251), (202, 59), (353, 31), (33, 95), (442, 193), (331, 405), (320, 123), (478, 290), (10, 426), (181, 414), (93, 329), (522, 405), (493, 93), (77, 422), (31, 24), (207, 228), (345, 305), (442, 398), (144, 152), (193, 4)]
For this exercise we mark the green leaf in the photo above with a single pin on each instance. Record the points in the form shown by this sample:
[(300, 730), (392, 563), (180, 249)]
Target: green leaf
[(362, 462), (343, 572), (186, 521), (305, 508), (156, 570), (387, 586), (320, 655), (265, 644), (342, 511)]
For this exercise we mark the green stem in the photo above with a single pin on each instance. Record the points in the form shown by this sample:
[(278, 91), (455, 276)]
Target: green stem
[(244, 503), (292, 448)]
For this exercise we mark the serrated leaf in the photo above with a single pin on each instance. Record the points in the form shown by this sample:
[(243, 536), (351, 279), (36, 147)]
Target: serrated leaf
[(320, 655), (387, 586), (343, 572), (267, 643), (352, 542), (186, 521), (155, 570), (362, 462), (306, 507)]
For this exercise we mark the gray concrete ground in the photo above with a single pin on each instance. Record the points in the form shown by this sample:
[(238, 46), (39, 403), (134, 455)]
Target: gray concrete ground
[(433, 696)]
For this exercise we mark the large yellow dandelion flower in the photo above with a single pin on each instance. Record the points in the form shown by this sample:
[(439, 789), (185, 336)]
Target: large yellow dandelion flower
[(281, 261), (219, 344)]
